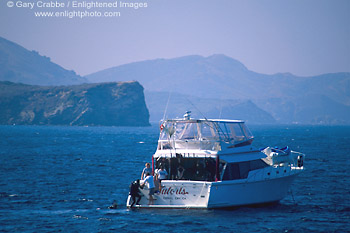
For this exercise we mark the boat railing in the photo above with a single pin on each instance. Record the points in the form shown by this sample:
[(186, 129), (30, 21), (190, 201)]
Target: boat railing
[(189, 144)]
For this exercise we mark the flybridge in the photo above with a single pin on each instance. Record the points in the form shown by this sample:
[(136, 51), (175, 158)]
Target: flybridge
[(203, 134)]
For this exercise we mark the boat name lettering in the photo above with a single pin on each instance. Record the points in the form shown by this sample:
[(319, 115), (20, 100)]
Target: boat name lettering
[(174, 191)]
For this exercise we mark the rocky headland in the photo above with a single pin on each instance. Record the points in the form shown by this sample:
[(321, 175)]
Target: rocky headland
[(102, 104)]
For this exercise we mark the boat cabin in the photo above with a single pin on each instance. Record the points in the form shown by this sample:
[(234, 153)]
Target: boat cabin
[(202, 150)]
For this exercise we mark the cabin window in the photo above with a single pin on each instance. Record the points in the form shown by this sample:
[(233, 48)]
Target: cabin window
[(235, 171), (180, 168), (208, 131), (192, 134), (186, 131), (236, 132)]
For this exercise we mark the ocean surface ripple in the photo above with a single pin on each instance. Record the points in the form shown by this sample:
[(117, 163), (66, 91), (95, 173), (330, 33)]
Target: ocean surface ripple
[(55, 178)]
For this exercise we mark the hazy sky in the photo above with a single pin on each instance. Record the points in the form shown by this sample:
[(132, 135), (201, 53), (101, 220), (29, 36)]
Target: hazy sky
[(304, 37)]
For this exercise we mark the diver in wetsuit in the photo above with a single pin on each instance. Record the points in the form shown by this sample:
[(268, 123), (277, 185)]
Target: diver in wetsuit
[(135, 192)]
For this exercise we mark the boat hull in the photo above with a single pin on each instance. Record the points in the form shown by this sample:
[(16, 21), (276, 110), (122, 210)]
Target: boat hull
[(229, 194), (222, 194)]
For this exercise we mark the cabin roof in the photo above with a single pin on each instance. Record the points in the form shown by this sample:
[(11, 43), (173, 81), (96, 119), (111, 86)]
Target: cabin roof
[(204, 120)]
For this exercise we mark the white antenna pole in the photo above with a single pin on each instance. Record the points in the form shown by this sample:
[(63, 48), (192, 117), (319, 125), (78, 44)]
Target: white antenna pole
[(166, 106), (220, 107)]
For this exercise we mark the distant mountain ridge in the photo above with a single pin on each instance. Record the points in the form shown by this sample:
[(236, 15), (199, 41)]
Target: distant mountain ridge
[(20, 65), (219, 76), (283, 95), (218, 86), (203, 107)]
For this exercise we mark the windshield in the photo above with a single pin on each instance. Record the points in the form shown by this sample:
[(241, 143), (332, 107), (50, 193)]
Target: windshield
[(205, 130)]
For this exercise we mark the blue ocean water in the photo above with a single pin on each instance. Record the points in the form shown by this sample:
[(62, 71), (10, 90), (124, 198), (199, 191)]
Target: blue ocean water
[(55, 178)]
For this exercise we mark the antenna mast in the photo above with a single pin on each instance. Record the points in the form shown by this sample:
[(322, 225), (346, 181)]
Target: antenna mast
[(166, 106)]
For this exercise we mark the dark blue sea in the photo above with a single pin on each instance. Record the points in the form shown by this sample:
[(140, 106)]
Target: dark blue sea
[(62, 179)]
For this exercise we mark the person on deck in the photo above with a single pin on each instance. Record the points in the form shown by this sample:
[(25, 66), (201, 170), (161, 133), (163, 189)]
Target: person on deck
[(180, 172), (162, 174), (150, 184), (146, 169), (135, 192)]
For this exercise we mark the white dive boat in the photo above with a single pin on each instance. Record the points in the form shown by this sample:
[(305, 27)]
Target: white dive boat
[(212, 164)]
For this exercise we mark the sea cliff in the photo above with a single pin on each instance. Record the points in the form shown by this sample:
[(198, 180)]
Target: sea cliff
[(105, 104)]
